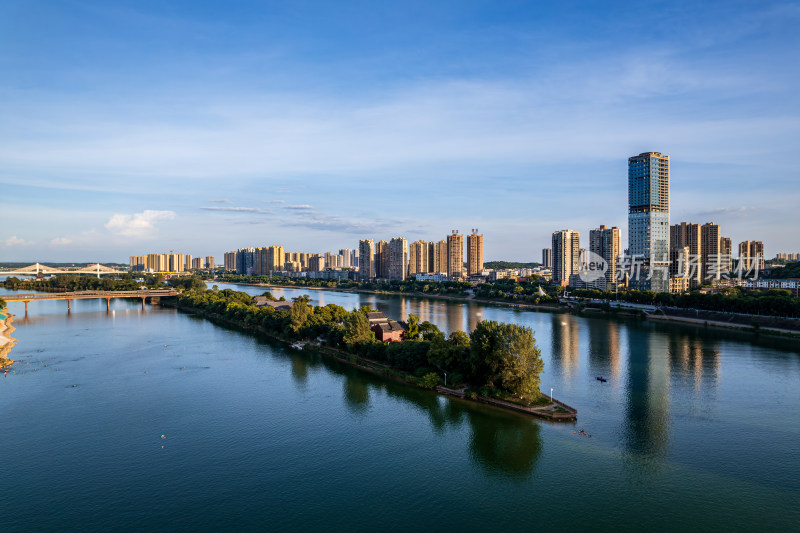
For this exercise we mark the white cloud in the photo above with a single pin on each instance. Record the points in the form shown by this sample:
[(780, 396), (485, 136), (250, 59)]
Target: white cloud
[(300, 207), (60, 241), (16, 241), (141, 225)]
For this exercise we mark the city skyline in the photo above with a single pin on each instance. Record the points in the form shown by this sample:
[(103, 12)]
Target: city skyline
[(173, 127)]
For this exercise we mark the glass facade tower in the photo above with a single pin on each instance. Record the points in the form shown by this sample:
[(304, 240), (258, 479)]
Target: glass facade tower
[(648, 221)]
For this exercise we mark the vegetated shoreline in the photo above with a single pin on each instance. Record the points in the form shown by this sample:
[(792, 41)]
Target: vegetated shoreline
[(556, 412), (627, 313), (6, 341)]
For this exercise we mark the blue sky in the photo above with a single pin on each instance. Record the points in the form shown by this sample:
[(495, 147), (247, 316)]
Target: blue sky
[(202, 127)]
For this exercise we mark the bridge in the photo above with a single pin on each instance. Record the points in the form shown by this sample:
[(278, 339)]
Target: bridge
[(155, 295), (38, 268)]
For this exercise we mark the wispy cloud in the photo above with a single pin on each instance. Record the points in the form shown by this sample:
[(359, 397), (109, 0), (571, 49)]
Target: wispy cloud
[(16, 241), (139, 225), (236, 209), (741, 210), (60, 241), (222, 201), (275, 201), (306, 216)]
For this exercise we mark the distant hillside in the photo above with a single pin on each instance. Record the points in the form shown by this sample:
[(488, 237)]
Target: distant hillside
[(791, 270), (500, 265)]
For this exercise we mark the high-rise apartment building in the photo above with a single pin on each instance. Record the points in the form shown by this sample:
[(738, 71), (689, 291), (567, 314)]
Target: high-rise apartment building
[(382, 260), (566, 253), (605, 242), (547, 257), (245, 261), (347, 257), (398, 258), (710, 252), (455, 255), (316, 262), (474, 253), (230, 260), (751, 253), (687, 235), (726, 254), (648, 220), (197, 263), (210, 262), (366, 261), (418, 258), (188, 263), (437, 256)]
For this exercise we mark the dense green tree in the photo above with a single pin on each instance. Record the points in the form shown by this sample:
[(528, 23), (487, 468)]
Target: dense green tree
[(412, 333), (506, 356), (299, 315), (356, 329)]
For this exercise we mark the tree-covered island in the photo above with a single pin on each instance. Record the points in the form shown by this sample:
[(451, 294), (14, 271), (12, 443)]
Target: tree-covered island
[(496, 360)]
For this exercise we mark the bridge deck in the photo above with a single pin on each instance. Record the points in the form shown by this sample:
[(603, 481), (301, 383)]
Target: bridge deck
[(85, 295)]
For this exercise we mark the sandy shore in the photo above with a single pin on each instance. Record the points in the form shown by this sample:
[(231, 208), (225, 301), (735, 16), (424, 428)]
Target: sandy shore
[(6, 341)]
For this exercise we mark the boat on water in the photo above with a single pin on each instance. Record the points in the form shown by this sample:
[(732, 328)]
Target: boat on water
[(601, 378), (298, 345)]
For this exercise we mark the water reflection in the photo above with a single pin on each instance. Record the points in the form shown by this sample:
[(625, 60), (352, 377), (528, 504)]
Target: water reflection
[(565, 342), (504, 445), (604, 348), (647, 424), (299, 369), (356, 392), (697, 358)]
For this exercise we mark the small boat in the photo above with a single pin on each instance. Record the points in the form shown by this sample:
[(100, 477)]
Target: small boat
[(601, 378)]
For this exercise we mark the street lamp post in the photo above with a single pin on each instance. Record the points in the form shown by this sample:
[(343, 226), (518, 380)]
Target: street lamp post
[(551, 394)]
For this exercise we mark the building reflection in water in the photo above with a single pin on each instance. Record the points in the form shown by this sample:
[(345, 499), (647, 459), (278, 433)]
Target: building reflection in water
[(604, 347), (647, 424), (696, 357), (565, 342), (474, 315)]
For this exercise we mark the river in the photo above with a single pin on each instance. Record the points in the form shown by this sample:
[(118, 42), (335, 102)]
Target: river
[(695, 429)]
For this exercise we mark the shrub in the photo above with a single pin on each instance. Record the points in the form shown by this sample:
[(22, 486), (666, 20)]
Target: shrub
[(430, 380)]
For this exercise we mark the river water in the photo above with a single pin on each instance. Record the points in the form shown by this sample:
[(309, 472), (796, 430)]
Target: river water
[(696, 429)]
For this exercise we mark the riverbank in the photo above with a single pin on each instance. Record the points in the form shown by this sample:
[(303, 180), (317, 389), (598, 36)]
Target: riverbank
[(6, 341), (553, 411), (746, 322)]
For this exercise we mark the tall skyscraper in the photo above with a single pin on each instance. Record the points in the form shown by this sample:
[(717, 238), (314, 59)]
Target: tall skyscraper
[(455, 255), (474, 253), (566, 252), (366, 261), (710, 255), (210, 262), (437, 256), (751, 253), (648, 220), (605, 242), (687, 235), (726, 254), (398, 258), (347, 257), (382, 260), (418, 258), (547, 257)]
